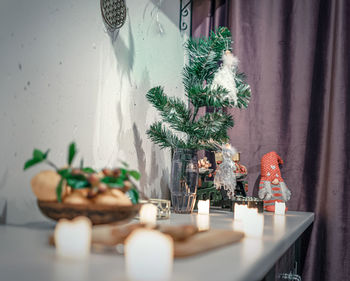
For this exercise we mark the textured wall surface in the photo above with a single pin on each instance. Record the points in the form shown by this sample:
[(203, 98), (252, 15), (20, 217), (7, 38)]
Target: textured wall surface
[(63, 77)]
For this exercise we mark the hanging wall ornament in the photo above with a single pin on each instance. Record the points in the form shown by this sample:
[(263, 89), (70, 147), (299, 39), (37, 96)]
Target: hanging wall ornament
[(113, 13), (225, 76), (225, 176), (272, 187)]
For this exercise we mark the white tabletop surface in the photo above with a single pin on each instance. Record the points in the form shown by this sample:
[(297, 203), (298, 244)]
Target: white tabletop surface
[(26, 255)]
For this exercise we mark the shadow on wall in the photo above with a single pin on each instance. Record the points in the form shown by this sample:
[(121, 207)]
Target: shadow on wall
[(3, 211), (3, 202), (154, 180), (141, 157), (125, 53), (150, 183), (167, 7)]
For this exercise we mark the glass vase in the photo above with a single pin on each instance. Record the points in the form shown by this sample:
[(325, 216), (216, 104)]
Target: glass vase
[(184, 180)]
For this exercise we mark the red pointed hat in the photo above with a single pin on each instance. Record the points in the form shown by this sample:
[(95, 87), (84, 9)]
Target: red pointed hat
[(270, 167)]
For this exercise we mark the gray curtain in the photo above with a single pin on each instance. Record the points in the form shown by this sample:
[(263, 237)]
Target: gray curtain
[(296, 56)]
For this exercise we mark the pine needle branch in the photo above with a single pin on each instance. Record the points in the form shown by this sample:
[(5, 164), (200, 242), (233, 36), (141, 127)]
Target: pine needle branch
[(164, 137), (213, 124), (173, 110), (243, 91), (200, 97)]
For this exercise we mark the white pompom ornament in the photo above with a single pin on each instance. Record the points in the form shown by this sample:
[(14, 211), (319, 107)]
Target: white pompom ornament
[(225, 76)]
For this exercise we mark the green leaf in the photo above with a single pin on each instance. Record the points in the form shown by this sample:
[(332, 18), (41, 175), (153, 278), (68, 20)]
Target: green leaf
[(126, 165), (123, 173), (74, 181), (88, 170), (113, 182), (71, 153), (133, 194), (135, 174), (46, 153), (39, 155), (59, 190), (77, 181), (65, 173), (32, 162)]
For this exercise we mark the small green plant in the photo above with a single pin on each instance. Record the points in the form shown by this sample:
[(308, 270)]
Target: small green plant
[(87, 177)]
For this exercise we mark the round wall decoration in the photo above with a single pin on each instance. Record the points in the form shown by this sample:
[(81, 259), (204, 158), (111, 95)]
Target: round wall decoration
[(113, 13)]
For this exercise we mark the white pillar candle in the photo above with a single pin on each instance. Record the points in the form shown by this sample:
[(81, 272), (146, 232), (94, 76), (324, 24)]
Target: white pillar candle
[(149, 256), (203, 222), (280, 208), (253, 223), (148, 214), (203, 207), (73, 238)]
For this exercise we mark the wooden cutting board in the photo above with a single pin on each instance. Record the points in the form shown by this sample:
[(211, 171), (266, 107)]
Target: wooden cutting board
[(205, 241)]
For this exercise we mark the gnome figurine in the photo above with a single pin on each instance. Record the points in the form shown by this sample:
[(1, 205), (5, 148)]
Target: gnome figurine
[(272, 187)]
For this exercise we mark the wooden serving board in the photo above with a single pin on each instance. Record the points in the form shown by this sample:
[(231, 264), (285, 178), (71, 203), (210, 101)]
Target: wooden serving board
[(205, 241), (188, 240)]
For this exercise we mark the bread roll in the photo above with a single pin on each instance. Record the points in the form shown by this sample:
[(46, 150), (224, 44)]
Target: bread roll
[(76, 198), (113, 197), (82, 191), (44, 185)]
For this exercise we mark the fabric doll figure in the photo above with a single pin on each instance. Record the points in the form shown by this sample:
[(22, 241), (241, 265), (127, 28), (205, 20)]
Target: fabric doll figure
[(225, 76), (272, 187), (224, 175)]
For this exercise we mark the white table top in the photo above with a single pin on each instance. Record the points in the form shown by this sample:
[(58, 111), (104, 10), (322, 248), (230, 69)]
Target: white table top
[(26, 255)]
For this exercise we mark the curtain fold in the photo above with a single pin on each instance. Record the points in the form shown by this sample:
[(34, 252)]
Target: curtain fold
[(296, 58)]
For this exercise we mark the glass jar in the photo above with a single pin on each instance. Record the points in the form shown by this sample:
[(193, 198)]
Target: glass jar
[(163, 207), (184, 180)]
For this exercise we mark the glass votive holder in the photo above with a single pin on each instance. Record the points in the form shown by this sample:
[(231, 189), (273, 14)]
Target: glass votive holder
[(163, 207), (250, 202)]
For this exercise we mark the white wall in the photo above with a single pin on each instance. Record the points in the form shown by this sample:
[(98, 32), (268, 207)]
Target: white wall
[(63, 78)]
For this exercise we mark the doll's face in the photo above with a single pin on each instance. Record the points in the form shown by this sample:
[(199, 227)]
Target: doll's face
[(228, 59)]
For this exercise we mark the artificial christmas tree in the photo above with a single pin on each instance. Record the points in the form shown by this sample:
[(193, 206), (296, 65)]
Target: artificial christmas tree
[(208, 84)]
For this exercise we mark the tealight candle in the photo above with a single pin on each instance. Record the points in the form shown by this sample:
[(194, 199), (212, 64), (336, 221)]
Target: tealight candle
[(148, 215), (149, 256), (253, 223), (73, 238), (280, 208), (203, 222), (203, 207), (240, 211)]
